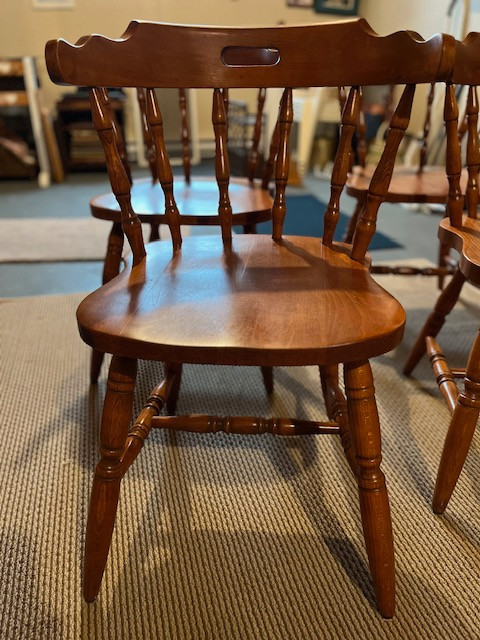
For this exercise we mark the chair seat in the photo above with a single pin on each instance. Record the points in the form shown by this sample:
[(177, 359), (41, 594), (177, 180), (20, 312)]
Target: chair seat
[(407, 184), (466, 240), (197, 202), (263, 303)]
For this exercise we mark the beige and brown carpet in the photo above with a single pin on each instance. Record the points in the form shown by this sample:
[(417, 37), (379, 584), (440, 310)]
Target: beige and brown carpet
[(226, 537)]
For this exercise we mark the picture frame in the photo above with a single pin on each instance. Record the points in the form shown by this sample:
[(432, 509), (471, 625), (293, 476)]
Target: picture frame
[(341, 7)]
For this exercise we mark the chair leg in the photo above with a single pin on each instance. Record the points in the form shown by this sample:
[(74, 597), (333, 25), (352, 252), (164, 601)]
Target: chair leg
[(267, 372), (111, 268), (436, 319), (173, 395), (350, 232), (154, 232), (443, 252), (460, 432), (96, 361), (375, 510), (116, 417), (336, 407), (267, 375)]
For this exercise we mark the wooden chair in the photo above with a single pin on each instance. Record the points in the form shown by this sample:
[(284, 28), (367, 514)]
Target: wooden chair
[(460, 232), (196, 198), (419, 184), (250, 299)]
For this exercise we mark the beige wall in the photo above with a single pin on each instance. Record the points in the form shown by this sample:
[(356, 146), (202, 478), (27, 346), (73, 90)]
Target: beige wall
[(25, 30), (427, 17)]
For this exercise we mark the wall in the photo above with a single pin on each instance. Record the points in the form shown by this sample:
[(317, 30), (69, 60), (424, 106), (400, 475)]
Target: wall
[(25, 30)]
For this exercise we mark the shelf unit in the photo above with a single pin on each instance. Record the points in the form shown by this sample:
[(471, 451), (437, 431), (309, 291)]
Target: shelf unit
[(80, 147), (19, 88)]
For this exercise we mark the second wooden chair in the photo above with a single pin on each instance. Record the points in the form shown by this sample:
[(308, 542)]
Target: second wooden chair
[(460, 232)]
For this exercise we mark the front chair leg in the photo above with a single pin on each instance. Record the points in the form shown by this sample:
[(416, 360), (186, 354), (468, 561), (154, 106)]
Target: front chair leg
[(116, 417), (460, 432), (374, 506), (171, 368)]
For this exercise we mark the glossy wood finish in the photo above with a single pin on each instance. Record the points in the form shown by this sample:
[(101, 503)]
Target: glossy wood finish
[(466, 240), (199, 56), (417, 185), (207, 306), (248, 299), (117, 173), (197, 202), (374, 506), (285, 120), (460, 432), (407, 184), (380, 182), (257, 132), (460, 232), (117, 413), (436, 319), (336, 406), (245, 425), (444, 376), (155, 201), (426, 130), (340, 169)]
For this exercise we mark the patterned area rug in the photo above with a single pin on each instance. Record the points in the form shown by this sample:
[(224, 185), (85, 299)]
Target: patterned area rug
[(227, 537)]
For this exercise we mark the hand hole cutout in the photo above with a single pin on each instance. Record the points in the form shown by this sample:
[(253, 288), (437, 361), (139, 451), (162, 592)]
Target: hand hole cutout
[(250, 56)]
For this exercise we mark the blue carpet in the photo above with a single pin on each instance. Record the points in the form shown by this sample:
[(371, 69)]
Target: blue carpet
[(305, 218)]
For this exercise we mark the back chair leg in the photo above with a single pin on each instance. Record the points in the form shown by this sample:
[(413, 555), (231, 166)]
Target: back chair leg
[(436, 319), (154, 232), (96, 361), (174, 391), (443, 253), (111, 268), (267, 372), (460, 432), (374, 506), (336, 407), (267, 375), (113, 259), (116, 417)]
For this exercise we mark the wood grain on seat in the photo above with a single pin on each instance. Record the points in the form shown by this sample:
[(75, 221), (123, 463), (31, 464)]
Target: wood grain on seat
[(285, 303)]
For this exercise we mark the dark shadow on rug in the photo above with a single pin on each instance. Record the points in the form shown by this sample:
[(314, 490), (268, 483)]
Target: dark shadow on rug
[(305, 218)]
